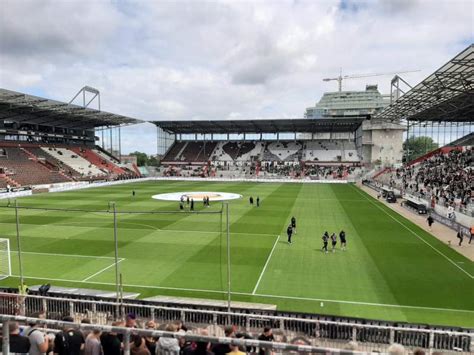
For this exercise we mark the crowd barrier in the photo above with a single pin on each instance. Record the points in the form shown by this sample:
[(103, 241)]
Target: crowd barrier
[(188, 336), (318, 331)]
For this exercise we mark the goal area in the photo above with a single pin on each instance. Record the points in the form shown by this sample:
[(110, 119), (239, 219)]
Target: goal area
[(5, 259)]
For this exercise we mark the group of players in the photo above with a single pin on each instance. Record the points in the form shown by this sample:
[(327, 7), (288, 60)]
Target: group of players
[(333, 237), (291, 229)]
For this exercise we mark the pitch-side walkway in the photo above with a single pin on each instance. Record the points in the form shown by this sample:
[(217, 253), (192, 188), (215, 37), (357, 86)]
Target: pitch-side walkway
[(439, 230)]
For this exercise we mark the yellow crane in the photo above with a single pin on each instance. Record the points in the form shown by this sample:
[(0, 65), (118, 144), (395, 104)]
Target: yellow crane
[(341, 77)]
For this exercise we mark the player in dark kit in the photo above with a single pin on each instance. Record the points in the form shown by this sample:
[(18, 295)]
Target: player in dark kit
[(133, 193), (430, 221), (333, 242), (325, 241), (251, 200), (342, 238), (258, 201), (289, 232), (293, 223)]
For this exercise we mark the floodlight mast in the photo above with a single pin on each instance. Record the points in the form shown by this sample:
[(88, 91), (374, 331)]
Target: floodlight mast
[(90, 90), (341, 77)]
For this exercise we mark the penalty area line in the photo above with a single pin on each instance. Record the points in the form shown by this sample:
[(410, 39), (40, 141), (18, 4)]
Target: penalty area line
[(102, 270), (265, 266), (256, 295)]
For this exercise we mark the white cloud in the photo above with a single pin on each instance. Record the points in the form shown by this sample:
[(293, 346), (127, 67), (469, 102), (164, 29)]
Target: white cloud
[(220, 60)]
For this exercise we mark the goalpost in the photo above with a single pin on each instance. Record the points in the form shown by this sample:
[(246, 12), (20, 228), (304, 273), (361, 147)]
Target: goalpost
[(5, 260)]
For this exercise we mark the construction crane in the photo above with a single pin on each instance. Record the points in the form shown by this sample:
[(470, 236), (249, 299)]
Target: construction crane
[(340, 77)]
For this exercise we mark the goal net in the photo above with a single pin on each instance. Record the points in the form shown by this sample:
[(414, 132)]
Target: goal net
[(5, 261)]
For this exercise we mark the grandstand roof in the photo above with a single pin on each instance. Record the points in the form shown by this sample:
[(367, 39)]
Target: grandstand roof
[(30, 109), (261, 126), (445, 95)]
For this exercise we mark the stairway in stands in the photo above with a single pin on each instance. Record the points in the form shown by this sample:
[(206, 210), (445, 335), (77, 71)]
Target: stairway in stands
[(98, 161), (56, 172)]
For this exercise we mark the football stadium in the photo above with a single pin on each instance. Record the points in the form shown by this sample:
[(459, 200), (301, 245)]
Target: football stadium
[(347, 230)]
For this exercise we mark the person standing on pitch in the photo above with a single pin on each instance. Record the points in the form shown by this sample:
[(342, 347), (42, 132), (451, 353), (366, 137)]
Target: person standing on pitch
[(460, 236), (133, 193), (430, 221), (325, 242), (289, 232), (187, 200), (251, 200), (333, 242), (342, 237), (258, 201), (192, 205), (293, 223)]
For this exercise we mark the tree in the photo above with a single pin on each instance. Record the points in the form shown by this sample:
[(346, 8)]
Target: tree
[(415, 147), (142, 158), (153, 161)]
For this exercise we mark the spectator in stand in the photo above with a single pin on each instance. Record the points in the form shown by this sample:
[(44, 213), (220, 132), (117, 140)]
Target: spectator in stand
[(445, 178), (39, 342), (69, 341), (111, 343), (92, 345), (131, 321), (235, 350), (199, 347), (222, 349), (168, 346), (267, 335), (396, 349), (138, 345), (19, 344), (150, 342), (85, 333)]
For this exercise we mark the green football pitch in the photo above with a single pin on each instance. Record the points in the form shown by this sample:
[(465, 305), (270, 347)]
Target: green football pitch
[(391, 270)]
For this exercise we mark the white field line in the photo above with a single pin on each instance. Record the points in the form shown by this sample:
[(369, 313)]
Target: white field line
[(265, 266), (101, 271), (66, 255), (147, 225), (416, 235), (257, 295)]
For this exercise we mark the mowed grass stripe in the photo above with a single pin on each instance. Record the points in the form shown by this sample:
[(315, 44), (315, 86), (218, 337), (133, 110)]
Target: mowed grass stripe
[(415, 273), (351, 274)]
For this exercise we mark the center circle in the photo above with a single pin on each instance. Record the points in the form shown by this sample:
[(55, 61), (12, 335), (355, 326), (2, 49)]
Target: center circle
[(197, 196)]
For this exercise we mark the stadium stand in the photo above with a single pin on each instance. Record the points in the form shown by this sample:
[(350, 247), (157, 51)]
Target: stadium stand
[(444, 176), (22, 168), (100, 162), (81, 165), (289, 328)]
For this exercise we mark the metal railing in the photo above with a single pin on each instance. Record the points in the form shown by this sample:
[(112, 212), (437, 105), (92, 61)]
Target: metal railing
[(326, 332), (188, 336)]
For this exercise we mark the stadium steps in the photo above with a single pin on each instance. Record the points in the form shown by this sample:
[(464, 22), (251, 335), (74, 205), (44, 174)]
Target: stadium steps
[(98, 161), (106, 154), (136, 170), (54, 169)]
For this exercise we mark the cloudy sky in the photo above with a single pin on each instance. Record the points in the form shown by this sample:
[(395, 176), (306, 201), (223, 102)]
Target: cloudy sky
[(171, 60)]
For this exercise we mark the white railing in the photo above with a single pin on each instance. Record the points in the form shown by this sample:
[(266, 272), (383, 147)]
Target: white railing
[(188, 336), (321, 332)]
